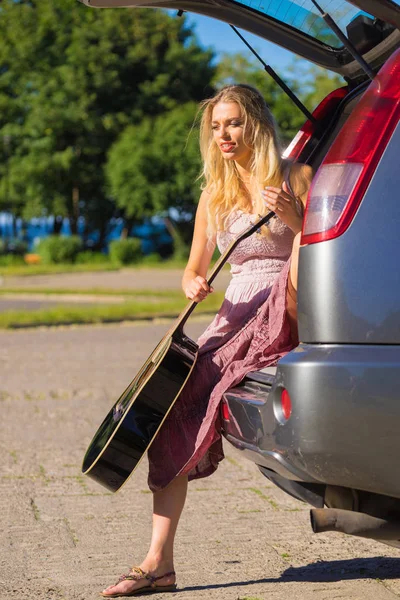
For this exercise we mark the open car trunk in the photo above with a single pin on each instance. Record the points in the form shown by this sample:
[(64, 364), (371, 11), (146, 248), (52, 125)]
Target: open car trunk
[(372, 26)]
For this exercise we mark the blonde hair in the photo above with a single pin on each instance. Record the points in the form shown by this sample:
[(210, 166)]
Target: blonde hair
[(220, 176)]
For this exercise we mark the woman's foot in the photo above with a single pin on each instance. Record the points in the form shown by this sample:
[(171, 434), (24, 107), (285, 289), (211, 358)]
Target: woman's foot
[(160, 579)]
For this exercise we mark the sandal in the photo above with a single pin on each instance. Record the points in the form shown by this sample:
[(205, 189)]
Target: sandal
[(136, 574)]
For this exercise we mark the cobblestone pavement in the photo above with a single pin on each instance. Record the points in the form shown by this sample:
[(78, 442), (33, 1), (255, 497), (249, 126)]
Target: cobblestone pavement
[(64, 537)]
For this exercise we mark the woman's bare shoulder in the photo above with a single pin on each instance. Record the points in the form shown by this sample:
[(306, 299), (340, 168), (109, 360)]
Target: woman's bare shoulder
[(300, 177), (301, 171)]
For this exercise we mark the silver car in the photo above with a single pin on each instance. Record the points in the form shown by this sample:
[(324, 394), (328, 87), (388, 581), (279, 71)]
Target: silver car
[(324, 424)]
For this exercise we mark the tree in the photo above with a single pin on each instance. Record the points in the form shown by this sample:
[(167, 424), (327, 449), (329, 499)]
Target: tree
[(317, 83), (154, 166), (71, 80)]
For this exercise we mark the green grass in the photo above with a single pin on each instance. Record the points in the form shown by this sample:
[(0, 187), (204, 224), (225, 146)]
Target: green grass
[(264, 497), (172, 294), (23, 270), (41, 269), (128, 311)]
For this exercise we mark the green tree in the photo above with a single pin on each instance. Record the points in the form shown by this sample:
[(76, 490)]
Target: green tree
[(317, 83), (71, 80), (154, 166)]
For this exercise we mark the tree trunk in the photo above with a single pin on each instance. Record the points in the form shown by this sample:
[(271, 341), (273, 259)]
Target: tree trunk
[(58, 222), (102, 237), (73, 219), (129, 223)]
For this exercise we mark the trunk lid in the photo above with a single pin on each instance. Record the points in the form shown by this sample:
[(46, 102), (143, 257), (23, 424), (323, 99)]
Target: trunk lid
[(372, 26)]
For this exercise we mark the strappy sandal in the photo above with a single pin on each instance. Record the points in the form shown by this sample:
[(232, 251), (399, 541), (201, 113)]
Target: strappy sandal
[(136, 574)]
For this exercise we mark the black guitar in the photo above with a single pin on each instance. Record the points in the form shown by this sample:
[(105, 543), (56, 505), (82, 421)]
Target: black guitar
[(133, 422)]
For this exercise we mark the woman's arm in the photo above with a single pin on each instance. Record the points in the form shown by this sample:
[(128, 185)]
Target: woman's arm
[(194, 283)]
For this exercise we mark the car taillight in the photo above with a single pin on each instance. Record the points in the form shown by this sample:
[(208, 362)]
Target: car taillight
[(282, 405), (344, 175), (286, 404), (224, 410), (324, 108)]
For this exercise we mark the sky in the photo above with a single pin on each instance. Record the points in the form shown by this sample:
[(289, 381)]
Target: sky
[(222, 38)]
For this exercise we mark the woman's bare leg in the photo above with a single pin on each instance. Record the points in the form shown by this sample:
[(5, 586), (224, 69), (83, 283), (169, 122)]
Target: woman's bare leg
[(294, 263), (167, 509)]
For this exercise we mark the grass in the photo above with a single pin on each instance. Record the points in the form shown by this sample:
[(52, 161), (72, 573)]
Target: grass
[(35, 510), (128, 311), (91, 292), (23, 270), (264, 497)]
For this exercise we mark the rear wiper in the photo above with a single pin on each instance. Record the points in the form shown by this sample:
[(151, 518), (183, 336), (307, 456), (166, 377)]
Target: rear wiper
[(345, 40), (277, 79)]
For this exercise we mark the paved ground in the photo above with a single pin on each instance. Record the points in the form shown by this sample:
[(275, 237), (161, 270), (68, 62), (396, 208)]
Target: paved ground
[(124, 279), (63, 537)]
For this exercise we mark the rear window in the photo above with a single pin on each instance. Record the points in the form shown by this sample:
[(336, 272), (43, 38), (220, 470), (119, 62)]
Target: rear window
[(304, 16)]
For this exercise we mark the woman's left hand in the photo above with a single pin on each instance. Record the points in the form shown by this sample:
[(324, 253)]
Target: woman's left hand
[(284, 205)]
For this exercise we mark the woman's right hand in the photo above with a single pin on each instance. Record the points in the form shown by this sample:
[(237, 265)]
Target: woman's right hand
[(196, 288)]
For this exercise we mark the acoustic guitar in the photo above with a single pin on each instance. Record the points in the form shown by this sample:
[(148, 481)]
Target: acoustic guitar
[(133, 422)]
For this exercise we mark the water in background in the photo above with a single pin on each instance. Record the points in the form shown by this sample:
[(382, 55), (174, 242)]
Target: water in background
[(152, 232)]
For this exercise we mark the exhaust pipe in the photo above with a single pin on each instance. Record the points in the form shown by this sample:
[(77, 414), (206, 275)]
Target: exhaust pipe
[(354, 523)]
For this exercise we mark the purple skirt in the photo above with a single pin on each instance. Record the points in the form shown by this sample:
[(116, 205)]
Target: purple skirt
[(189, 442)]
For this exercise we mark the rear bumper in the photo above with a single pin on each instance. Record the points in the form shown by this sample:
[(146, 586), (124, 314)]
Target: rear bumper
[(345, 421)]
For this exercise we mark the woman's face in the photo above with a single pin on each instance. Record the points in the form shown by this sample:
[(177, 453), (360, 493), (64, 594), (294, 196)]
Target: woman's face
[(228, 130)]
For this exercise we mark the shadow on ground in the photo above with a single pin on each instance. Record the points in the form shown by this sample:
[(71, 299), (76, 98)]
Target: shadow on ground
[(379, 567)]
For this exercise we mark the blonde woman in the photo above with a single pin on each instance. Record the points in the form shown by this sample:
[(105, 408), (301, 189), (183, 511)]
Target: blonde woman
[(244, 177)]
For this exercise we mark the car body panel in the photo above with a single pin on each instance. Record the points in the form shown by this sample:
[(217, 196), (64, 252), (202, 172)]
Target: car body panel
[(357, 275), (343, 430)]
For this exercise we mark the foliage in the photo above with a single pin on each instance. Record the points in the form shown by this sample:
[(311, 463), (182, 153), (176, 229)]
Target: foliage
[(88, 257), (151, 259), (13, 246), (96, 107), (71, 80), (316, 83), (59, 249), (125, 252), (154, 165), (16, 246), (11, 260)]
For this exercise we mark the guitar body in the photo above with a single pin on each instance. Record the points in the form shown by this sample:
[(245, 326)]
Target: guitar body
[(132, 424)]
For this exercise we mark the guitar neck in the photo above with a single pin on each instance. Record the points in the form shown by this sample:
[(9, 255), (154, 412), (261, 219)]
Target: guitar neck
[(185, 314)]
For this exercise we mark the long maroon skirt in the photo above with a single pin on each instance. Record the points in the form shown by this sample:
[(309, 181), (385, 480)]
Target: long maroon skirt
[(189, 442)]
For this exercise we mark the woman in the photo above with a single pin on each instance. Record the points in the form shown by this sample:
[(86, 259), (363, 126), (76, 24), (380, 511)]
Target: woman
[(244, 178)]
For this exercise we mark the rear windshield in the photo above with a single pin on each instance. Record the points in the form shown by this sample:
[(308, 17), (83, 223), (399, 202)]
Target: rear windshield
[(304, 16)]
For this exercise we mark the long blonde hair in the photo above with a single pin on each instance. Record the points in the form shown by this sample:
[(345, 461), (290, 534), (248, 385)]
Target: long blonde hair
[(220, 176)]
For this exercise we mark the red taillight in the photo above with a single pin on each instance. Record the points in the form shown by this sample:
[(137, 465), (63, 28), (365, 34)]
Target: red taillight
[(343, 177), (324, 108), (286, 404), (224, 411)]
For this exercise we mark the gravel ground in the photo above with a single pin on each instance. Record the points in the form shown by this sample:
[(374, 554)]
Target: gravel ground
[(64, 537)]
